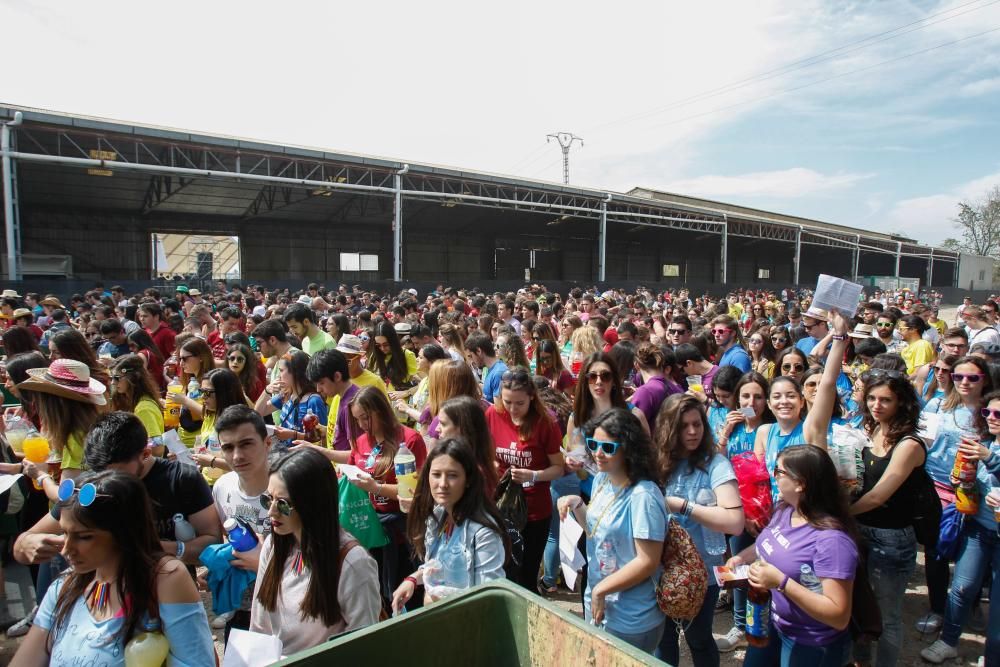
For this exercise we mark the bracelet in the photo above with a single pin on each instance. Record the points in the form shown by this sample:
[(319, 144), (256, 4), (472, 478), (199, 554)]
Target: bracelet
[(180, 549), (689, 509), (684, 508), (534, 476), (41, 478), (781, 586), (213, 461), (839, 337), (412, 580)]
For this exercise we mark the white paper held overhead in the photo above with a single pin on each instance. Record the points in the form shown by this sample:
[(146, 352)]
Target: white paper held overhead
[(833, 292)]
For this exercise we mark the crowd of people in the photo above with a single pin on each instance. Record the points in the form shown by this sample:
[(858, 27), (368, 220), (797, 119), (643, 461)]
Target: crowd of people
[(262, 445)]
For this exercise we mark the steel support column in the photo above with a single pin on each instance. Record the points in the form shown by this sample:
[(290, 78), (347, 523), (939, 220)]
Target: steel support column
[(10, 208), (857, 256), (397, 224), (798, 255), (602, 242), (725, 249), (930, 267), (899, 255)]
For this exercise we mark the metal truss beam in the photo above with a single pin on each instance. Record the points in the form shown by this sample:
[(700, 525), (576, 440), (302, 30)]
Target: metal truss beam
[(161, 188)]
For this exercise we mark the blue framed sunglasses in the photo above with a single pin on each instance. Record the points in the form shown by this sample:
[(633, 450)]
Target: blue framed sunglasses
[(88, 492), (610, 448)]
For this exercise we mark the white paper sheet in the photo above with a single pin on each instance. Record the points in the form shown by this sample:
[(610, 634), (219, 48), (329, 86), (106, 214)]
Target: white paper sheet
[(570, 558), (173, 443), (7, 481), (929, 424), (833, 292), (251, 649), (349, 471)]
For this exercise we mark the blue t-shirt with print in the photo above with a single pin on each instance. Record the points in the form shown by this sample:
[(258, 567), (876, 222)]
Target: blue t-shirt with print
[(686, 481), (491, 382), (293, 412), (615, 519)]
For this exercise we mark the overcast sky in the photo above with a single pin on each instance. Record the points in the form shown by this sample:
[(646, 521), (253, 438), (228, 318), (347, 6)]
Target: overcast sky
[(880, 114)]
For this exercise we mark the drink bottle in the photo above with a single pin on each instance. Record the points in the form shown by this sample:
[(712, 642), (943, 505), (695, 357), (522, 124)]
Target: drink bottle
[(148, 648), (183, 530), (240, 537), (172, 411), (405, 464), (758, 617), (309, 425)]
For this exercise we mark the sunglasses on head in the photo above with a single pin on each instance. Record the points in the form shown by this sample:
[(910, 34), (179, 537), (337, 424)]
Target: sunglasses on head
[(88, 492), (973, 378), (517, 375), (284, 507), (603, 376), (608, 447)]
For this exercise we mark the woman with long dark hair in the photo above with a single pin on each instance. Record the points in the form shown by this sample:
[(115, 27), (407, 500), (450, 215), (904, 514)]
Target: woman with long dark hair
[(220, 388), (378, 436), (453, 524), (17, 340), (294, 396), (807, 558), (119, 581), (397, 367), (893, 478), (241, 360), (549, 364), (625, 523), (463, 418), (314, 580), (702, 492), (71, 344), (133, 390), (17, 367), (528, 444), (195, 357), (141, 343)]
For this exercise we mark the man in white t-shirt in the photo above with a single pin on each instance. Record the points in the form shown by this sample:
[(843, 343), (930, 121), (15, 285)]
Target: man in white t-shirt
[(980, 330), (245, 447), (966, 302)]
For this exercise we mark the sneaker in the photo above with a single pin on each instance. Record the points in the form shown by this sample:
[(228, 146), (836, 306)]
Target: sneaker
[(938, 652), (731, 641), (219, 622), (724, 602), (929, 622), (21, 628)]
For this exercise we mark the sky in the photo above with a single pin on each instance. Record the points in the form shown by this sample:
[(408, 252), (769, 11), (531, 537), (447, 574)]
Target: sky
[(881, 114)]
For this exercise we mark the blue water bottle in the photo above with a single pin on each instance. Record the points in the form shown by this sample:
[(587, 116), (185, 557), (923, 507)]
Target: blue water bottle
[(242, 538)]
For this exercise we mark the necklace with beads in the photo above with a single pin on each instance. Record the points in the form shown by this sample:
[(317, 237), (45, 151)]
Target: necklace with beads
[(99, 598)]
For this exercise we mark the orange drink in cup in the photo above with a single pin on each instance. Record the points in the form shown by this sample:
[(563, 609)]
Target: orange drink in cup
[(36, 450)]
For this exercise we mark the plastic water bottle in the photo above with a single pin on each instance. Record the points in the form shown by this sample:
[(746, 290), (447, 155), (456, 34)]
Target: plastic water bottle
[(194, 390), (607, 563), (715, 542), (809, 579), (240, 537), (149, 648), (183, 530), (405, 464)]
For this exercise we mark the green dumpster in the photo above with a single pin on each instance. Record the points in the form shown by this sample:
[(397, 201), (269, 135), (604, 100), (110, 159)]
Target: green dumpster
[(497, 623)]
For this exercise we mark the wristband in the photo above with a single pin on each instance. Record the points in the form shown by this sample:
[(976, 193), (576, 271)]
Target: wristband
[(781, 586), (180, 549), (213, 461), (41, 478), (839, 337), (534, 476), (412, 580)]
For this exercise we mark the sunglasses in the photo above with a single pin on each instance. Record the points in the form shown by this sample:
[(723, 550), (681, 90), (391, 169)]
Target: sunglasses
[(208, 392), (792, 367), (942, 369), (88, 492), (608, 447), (756, 341), (884, 325), (284, 507), (364, 339), (594, 376), (237, 360), (973, 378), (677, 332), (720, 332), (778, 339), (987, 413), (807, 327), (116, 378)]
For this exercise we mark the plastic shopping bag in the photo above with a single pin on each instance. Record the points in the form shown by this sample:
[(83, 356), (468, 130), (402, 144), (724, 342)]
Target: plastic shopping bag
[(357, 516)]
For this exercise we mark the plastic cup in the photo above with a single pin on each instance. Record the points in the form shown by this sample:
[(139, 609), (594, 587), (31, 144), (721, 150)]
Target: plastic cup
[(694, 383), (995, 495)]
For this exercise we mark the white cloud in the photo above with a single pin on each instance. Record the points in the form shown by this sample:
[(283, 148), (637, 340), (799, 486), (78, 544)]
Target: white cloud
[(981, 87), (786, 183), (929, 218)]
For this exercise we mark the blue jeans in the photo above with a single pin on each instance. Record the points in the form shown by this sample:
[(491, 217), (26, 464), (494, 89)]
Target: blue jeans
[(567, 485), (787, 652), (978, 552), (892, 558), (738, 543), (645, 641), (698, 634)]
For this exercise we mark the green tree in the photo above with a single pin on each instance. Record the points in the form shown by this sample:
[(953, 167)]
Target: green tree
[(979, 223)]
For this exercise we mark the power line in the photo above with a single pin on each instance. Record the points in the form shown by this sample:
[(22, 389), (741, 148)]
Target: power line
[(829, 78), (804, 63)]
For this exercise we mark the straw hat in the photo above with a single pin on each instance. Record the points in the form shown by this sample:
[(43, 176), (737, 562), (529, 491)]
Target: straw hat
[(10, 294), (21, 312), (305, 300), (402, 328), (862, 331), (349, 344), (194, 292), (67, 378), (817, 314), (52, 301)]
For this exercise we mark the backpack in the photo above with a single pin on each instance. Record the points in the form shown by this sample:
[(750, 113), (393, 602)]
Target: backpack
[(680, 592)]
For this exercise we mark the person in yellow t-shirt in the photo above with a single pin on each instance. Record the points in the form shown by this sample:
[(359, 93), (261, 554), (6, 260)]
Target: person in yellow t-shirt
[(918, 351)]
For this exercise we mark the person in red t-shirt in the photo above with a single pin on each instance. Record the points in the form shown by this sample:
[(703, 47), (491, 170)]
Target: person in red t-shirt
[(373, 452), (150, 316), (528, 443)]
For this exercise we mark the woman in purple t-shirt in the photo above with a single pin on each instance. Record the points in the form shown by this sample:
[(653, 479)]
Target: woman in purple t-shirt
[(650, 361), (807, 557)]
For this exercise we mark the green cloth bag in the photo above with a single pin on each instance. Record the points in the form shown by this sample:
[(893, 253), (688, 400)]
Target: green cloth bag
[(357, 516)]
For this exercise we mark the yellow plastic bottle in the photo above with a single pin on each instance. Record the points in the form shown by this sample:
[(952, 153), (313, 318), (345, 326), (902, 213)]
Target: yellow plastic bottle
[(148, 648), (172, 411)]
